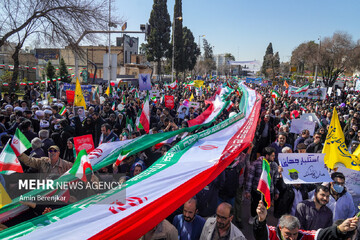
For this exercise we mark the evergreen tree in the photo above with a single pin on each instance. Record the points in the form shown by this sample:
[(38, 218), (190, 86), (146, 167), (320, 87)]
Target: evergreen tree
[(50, 70), (178, 38), (276, 65), (159, 38), (191, 49), (208, 56), (64, 71), (268, 62)]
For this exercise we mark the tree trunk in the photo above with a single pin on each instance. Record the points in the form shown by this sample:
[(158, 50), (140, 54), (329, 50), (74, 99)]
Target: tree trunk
[(15, 75), (159, 68)]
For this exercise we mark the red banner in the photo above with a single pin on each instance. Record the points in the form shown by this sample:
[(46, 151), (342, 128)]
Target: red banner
[(84, 142), (169, 102), (70, 96)]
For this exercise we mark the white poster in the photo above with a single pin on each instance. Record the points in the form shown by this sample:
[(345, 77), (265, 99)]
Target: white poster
[(303, 168), (310, 117), (297, 125), (352, 183), (195, 105), (357, 86)]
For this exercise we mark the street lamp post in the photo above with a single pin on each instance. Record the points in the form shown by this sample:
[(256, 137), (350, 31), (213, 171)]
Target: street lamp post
[(317, 63), (173, 51)]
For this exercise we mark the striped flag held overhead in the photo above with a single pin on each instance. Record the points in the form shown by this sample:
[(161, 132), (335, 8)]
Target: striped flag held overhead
[(265, 182), (19, 143), (303, 88), (63, 111), (230, 106), (8, 161), (82, 163)]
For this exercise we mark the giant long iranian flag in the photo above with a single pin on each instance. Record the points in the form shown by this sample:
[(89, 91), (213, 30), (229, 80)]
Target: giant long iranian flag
[(155, 193), (107, 153)]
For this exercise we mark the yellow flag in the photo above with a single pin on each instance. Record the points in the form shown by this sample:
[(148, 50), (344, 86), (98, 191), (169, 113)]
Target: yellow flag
[(108, 91), (4, 197), (79, 99), (191, 97), (335, 148), (198, 83), (357, 151)]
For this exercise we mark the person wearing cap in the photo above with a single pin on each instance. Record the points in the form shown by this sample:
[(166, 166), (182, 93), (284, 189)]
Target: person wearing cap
[(51, 166), (341, 202)]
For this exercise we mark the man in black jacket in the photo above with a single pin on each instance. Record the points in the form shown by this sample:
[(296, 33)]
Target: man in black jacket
[(289, 228), (266, 133), (98, 122), (289, 196)]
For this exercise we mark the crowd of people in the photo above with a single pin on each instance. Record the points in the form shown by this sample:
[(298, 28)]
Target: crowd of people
[(324, 210)]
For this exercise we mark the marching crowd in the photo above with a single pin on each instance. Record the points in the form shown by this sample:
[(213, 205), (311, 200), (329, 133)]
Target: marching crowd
[(304, 211)]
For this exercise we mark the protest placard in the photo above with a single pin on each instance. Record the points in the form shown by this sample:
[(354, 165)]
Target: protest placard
[(310, 117), (169, 102), (297, 125), (86, 90), (195, 105), (312, 93), (352, 179), (84, 142), (144, 82), (303, 168)]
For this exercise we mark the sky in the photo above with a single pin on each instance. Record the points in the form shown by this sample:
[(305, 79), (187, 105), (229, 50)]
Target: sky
[(245, 28)]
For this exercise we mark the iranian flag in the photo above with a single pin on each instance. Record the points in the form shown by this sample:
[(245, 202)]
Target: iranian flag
[(137, 122), (145, 115), (81, 163), (19, 143), (154, 99), (275, 94), (264, 182), (217, 103), (63, 111), (129, 124), (173, 85), (155, 193), (230, 106), (286, 104), (303, 88), (9, 162), (302, 108), (120, 158), (113, 106)]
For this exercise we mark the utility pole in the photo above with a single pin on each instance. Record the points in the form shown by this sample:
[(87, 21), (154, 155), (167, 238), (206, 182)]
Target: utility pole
[(109, 52), (317, 63)]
